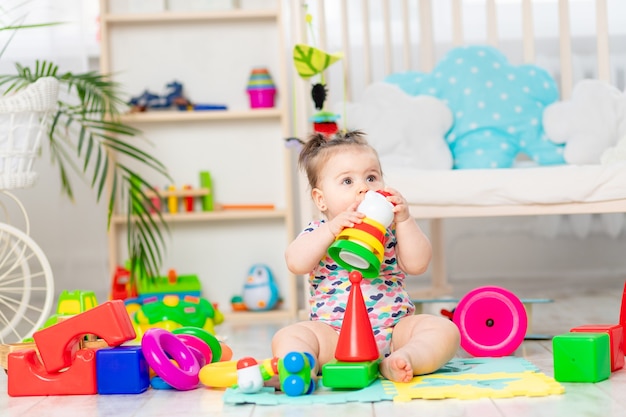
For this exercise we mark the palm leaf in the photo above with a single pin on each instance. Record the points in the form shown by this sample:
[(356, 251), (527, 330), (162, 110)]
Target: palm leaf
[(85, 136), (310, 61)]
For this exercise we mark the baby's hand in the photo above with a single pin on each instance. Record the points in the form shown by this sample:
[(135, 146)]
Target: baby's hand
[(348, 218), (401, 208)]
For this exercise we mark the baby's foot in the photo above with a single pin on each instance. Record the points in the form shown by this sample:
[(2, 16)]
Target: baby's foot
[(397, 367)]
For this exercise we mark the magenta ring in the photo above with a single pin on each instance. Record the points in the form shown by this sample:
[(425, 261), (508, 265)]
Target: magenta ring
[(156, 345), (195, 342)]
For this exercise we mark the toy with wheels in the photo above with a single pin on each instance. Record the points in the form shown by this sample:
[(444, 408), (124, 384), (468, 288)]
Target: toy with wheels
[(294, 373), (26, 282), (361, 247), (492, 322)]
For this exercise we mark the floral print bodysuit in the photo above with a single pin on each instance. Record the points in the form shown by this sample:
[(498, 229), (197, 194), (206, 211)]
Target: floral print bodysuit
[(385, 298)]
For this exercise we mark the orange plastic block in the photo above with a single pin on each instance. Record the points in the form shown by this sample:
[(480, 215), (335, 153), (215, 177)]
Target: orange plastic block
[(616, 340), (58, 344), (27, 375)]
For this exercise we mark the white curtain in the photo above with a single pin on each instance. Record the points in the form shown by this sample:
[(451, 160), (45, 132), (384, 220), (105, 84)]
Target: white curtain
[(73, 44)]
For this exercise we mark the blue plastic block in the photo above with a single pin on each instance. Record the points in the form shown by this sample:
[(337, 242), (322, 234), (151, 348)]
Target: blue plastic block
[(122, 370)]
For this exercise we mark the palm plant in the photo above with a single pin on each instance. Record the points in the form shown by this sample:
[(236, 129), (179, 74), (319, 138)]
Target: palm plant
[(86, 135)]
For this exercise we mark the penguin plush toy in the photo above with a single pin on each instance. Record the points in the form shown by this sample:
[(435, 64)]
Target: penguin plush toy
[(260, 291)]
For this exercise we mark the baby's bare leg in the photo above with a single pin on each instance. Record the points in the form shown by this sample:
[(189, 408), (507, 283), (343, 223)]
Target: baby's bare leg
[(421, 344), (314, 337)]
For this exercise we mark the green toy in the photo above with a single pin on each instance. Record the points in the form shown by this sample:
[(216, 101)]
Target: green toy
[(581, 357), (206, 182), (294, 373), (172, 312), (351, 375)]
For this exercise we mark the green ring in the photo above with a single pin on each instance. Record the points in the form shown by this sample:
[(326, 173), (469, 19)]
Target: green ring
[(372, 271), (206, 337)]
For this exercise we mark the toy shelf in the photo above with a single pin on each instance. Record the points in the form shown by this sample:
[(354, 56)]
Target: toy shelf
[(217, 215), (177, 17), (212, 54), (155, 116)]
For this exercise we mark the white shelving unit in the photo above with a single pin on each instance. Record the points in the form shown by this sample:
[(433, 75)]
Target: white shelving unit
[(212, 53)]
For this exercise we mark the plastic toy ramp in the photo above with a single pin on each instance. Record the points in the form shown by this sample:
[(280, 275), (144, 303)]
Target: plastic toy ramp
[(460, 378)]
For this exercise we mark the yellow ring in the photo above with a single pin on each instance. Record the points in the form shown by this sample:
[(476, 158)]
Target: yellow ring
[(219, 374), (360, 235)]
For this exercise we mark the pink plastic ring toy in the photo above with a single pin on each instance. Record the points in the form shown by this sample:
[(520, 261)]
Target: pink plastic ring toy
[(156, 345), (193, 341), (492, 321)]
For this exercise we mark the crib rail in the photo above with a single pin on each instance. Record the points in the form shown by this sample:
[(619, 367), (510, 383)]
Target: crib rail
[(381, 37)]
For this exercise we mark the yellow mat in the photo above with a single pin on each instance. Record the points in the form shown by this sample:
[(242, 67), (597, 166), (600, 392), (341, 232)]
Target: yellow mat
[(484, 377)]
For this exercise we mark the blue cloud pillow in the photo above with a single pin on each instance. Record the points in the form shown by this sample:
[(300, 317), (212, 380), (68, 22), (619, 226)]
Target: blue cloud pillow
[(497, 107)]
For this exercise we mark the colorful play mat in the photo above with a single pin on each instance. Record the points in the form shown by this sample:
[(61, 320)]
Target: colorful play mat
[(469, 378)]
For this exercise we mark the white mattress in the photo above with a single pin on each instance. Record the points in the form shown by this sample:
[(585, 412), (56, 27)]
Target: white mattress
[(511, 186)]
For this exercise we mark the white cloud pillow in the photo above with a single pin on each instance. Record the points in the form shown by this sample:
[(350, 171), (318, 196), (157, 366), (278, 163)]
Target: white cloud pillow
[(406, 131)]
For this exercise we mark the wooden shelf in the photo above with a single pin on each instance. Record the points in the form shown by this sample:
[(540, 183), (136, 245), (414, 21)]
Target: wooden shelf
[(166, 116), (208, 216), (197, 192), (256, 316), (199, 16), (204, 37)]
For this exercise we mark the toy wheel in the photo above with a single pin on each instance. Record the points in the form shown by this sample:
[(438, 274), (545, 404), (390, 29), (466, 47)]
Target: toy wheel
[(293, 362), (311, 388), (293, 386), (26, 285), (492, 322)]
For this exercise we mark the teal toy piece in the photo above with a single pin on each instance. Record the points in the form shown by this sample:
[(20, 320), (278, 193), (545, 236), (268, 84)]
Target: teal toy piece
[(260, 291)]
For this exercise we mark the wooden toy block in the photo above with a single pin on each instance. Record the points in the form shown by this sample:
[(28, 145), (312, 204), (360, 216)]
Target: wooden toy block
[(58, 344), (122, 370), (581, 357), (27, 375), (352, 375), (616, 340)]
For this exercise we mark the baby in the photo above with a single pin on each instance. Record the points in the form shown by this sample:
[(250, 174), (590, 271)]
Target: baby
[(340, 171)]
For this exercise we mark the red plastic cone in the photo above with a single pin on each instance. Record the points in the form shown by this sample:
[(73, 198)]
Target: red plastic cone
[(356, 340)]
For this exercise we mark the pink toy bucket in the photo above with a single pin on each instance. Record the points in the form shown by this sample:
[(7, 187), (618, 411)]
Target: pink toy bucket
[(261, 98)]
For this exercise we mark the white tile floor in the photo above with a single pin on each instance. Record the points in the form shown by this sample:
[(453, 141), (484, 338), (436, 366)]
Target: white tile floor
[(576, 302)]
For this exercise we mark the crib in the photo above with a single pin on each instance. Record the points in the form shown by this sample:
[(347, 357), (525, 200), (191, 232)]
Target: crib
[(385, 37)]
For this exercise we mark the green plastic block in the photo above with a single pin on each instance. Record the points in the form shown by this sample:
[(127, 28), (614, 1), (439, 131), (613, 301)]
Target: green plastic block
[(207, 182), (353, 375), (581, 357)]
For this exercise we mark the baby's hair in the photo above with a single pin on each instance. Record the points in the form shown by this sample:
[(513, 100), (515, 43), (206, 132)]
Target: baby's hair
[(318, 149)]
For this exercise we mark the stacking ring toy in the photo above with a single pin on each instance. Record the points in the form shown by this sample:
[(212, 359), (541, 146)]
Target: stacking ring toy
[(492, 322), (361, 259), (365, 239), (219, 374), (203, 349), (208, 338), (156, 345)]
